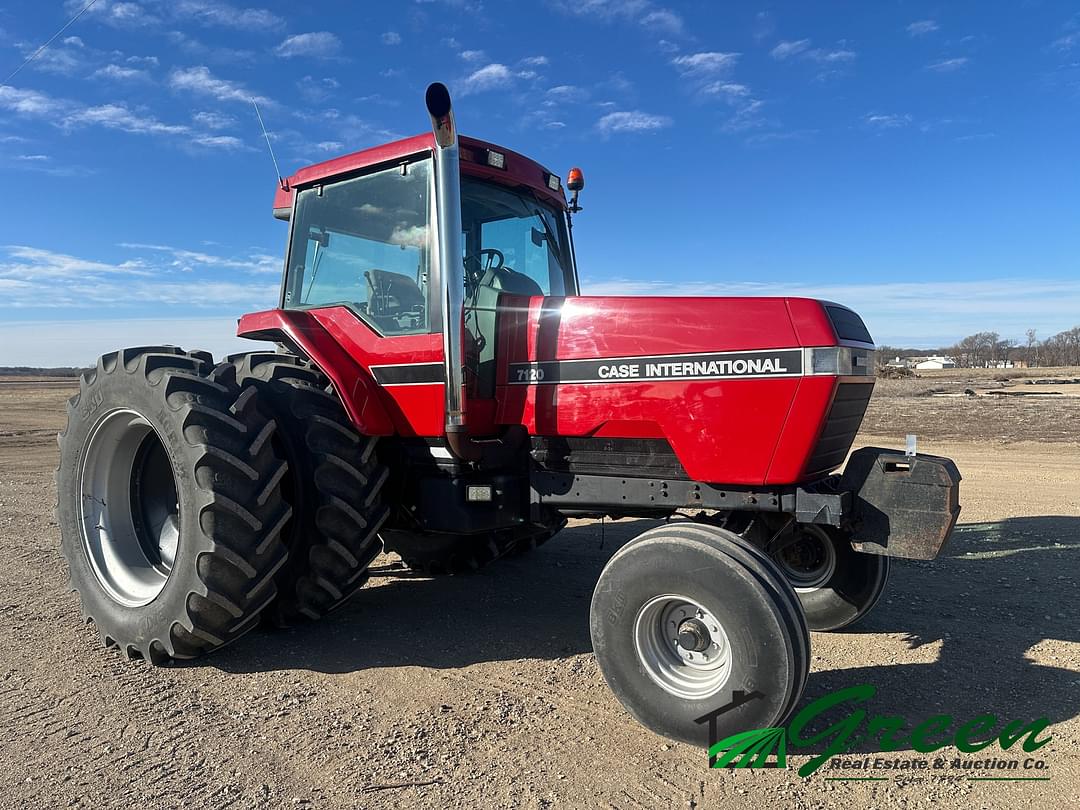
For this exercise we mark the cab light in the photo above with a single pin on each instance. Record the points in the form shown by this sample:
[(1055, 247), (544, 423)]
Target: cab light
[(554, 183), (497, 160)]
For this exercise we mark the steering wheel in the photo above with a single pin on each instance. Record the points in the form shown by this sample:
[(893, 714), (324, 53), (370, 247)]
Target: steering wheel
[(477, 270)]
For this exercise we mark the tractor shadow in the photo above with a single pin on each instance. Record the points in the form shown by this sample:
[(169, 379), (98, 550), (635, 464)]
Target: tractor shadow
[(997, 591)]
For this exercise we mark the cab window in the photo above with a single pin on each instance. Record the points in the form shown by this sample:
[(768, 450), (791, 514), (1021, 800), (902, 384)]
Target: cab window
[(365, 243)]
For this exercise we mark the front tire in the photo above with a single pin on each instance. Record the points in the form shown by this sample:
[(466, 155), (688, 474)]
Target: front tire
[(687, 615), (169, 503), (836, 585)]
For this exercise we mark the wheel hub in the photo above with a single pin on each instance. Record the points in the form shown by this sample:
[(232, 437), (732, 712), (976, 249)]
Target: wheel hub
[(682, 646), (694, 635), (810, 561)]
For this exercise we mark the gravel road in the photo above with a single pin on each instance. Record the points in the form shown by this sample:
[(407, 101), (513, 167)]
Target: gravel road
[(483, 691)]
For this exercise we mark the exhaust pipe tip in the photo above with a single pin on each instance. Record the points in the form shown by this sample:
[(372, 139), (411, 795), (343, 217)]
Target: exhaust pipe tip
[(437, 100)]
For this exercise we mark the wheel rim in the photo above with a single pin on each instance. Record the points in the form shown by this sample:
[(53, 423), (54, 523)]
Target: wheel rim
[(810, 561), (660, 634), (131, 521)]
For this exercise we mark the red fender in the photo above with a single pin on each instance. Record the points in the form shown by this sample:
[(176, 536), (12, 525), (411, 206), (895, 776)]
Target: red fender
[(299, 330)]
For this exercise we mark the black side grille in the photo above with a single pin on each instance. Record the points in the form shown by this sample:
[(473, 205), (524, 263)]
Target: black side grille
[(841, 425)]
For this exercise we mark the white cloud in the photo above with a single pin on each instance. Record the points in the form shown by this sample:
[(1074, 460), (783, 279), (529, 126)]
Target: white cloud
[(663, 19), (118, 116), (473, 56), (117, 14), (922, 27), (121, 74), (316, 44), (201, 81), (705, 63), (391, 38), (205, 12), (412, 236), (145, 61), (567, 93), (604, 9), (29, 102), (839, 55), (534, 61), (187, 260), (787, 49), (632, 121), (801, 48), (226, 16), (330, 146), (33, 158), (731, 90), (949, 65), (75, 41), (707, 74), (61, 61), (32, 264), (887, 120), (317, 90), (213, 120), (229, 143), (488, 77), (747, 116), (1068, 41)]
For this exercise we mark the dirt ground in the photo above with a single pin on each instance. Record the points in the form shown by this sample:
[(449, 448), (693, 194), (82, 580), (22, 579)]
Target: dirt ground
[(485, 687)]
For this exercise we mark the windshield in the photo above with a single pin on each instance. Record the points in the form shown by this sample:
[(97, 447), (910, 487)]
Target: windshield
[(364, 243), (513, 242)]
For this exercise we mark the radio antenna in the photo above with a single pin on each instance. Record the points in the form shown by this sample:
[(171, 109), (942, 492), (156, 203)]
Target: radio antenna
[(48, 42), (277, 169)]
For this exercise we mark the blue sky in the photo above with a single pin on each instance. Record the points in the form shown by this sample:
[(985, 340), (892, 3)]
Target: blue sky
[(917, 161)]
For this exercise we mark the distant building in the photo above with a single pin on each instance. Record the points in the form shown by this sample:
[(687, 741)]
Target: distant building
[(935, 363)]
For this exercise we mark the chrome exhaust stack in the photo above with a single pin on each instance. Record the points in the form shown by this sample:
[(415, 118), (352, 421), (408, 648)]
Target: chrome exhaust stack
[(451, 267)]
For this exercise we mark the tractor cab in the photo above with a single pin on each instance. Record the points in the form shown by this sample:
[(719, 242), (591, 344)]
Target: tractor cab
[(363, 236)]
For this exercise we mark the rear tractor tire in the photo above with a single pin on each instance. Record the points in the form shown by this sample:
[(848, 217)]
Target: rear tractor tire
[(335, 486), (690, 621), (169, 503), (836, 585)]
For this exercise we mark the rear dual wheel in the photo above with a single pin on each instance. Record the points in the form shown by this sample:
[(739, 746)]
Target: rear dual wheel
[(689, 619), (169, 503), (334, 485)]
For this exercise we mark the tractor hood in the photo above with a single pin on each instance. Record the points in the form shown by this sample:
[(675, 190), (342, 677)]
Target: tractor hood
[(743, 389)]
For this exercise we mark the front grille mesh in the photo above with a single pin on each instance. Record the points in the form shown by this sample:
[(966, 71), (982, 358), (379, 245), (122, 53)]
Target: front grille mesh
[(841, 425)]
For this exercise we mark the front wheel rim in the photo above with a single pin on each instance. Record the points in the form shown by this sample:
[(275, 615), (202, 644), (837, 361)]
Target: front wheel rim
[(130, 523), (687, 673)]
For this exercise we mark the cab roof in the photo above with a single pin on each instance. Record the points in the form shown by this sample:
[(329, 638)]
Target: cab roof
[(517, 170)]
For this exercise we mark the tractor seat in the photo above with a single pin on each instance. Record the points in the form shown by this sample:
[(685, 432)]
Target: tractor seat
[(392, 293)]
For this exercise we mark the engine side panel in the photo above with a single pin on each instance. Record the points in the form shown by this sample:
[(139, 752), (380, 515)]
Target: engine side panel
[(748, 428)]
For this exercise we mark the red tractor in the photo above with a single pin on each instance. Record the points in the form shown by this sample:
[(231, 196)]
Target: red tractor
[(437, 385)]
